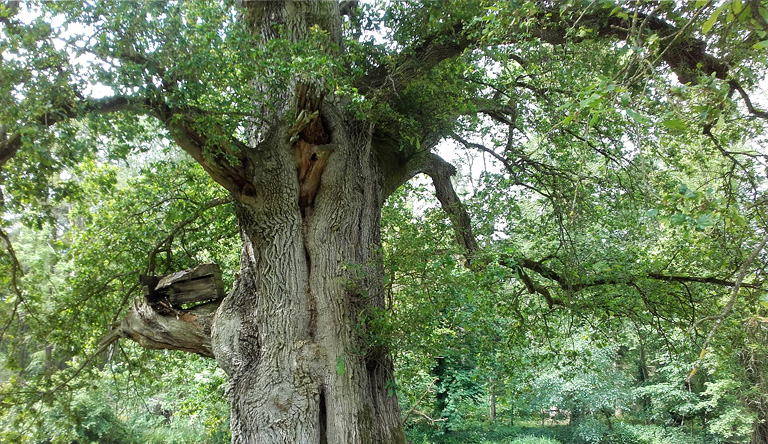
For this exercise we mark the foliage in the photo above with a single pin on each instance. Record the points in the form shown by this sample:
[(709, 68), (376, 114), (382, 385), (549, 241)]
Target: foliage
[(611, 162)]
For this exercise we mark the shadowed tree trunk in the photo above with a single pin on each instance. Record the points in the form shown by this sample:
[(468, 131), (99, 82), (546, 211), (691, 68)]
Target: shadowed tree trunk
[(492, 400)]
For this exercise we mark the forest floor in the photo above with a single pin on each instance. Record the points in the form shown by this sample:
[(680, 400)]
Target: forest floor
[(495, 434), (532, 432)]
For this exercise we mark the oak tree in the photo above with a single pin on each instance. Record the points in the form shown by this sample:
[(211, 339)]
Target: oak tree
[(310, 114)]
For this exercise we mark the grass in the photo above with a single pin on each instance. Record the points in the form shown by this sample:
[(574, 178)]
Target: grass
[(531, 432), (497, 434)]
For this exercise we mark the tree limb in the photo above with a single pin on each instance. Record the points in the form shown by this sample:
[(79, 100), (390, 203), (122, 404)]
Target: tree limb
[(441, 171), (421, 59), (225, 161), (544, 271), (426, 392), (744, 96), (161, 321), (15, 272), (223, 158), (189, 330), (686, 55), (10, 144)]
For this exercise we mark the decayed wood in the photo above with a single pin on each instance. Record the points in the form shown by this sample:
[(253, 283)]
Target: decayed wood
[(188, 331), (160, 321), (200, 284)]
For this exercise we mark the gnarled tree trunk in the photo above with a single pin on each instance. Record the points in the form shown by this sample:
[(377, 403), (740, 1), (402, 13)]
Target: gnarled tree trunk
[(308, 188), (292, 335)]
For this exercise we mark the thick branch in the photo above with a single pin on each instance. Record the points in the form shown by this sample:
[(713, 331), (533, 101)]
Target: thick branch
[(223, 158), (224, 161), (702, 280), (189, 330), (160, 320), (10, 144), (441, 171), (421, 59), (687, 56), (544, 271)]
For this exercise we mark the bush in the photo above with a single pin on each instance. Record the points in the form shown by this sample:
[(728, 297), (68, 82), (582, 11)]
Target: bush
[(534, 440), (491, 434), (591, 431)]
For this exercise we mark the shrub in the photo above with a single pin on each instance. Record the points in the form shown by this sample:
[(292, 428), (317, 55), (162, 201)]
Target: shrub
[(534, 440)]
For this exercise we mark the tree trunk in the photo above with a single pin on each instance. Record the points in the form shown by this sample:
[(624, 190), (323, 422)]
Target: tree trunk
[(759, 433), (292, 334), (308, 188), (492, 401)]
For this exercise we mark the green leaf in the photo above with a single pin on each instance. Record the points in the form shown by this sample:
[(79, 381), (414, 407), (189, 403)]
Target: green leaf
[(705, 220), (653, 212), (340, 366), (764, 300), (678, 218), (675, 124), (720, 124), (707, 26), (736, 6), (761, 45), (591, 101), (625, 100), (636, 116)]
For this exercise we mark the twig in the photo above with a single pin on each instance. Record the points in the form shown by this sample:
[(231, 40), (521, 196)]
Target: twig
[(729, 306), (757, 112), (432, 421), (15, 271), (169, 238), (424, 395)]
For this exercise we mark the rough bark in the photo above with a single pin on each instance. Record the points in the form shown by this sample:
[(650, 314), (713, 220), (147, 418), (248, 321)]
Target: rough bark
[(292, 334), (492, 401)]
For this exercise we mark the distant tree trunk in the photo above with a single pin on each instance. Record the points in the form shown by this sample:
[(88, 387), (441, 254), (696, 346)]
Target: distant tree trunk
[(760, 432), (642, 378), (440, 371), (492, 401)]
